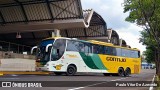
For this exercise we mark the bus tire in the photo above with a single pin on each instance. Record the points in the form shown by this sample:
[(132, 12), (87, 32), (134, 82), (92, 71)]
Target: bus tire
[(106, 74), (58, 73), (121, 72), (71, 70), (127, 72)]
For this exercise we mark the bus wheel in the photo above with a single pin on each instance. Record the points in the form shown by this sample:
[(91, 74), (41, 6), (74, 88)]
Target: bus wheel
[(106, 74), (58, 73), (127, 72), (121, 72), (71, 70)]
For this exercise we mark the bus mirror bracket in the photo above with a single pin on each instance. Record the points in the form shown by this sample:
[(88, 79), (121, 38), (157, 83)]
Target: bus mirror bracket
[(48, 47), (33, 49), (58, 51)]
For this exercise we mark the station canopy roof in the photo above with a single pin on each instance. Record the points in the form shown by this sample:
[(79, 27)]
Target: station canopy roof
[(36, 19)]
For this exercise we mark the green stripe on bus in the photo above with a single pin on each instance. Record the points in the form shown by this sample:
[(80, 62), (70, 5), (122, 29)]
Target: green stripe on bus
[(96, 59), (88, 61)]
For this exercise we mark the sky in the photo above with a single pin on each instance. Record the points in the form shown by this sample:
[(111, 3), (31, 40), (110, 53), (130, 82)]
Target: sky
[(112, 13)]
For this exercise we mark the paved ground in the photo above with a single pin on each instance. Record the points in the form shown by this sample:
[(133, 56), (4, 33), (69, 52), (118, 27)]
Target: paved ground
[(86, 81)]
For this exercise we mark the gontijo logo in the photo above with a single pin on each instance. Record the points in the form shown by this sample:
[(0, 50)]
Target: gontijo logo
[(114, 59)]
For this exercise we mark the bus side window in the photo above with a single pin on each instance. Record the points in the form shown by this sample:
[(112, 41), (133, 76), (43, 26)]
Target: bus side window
[(81, 47), (107, 50), (123, 53), (135, 54), (72, 45), (118, 52), (101, 50), (127, 53), (60, 44), (88, 48), (114, 51), (95, 49)]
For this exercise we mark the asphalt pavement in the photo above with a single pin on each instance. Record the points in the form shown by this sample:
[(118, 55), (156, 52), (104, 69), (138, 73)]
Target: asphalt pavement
[(82, 81)]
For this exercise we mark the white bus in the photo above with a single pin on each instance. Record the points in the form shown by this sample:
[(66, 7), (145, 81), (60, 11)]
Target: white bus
[(66, 55)]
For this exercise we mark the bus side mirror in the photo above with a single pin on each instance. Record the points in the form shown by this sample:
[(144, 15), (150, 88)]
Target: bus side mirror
[(33, 49), (47, 47)]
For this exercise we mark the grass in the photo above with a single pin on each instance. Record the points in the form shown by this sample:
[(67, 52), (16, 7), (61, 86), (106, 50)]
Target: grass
[(158, 81)]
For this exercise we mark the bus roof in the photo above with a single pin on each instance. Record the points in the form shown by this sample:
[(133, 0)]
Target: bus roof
[(94, 42)]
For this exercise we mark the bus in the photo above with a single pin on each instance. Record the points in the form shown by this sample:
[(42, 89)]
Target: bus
[(70, 56)]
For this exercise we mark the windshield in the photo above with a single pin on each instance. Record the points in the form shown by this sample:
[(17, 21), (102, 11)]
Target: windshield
[(42, 55), (58, 49)]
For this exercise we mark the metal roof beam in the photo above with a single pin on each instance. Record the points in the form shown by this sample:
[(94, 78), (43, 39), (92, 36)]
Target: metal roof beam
[(3, 20), (95, 31), (66, 33), (80, 8), (105, 30), (49, 9), (25, 3), (49, 34), (85, 33), (63, 8), (23, 10), (33, 35)]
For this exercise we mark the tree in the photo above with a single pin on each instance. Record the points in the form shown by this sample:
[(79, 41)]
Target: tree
[(146, 13), (150, 49)]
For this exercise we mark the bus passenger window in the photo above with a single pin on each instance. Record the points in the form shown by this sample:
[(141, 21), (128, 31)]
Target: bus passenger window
[(80, 47), (135, 54), (107, 50), (114, 51), (118, 52), (95, 49), (87, 48), (101, 49), (123, 53), (72, 46)]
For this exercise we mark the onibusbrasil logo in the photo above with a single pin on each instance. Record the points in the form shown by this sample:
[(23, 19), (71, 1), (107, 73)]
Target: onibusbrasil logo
[(21, 84)]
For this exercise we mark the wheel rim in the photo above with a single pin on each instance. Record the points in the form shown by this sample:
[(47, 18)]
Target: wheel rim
[(120, 72), (70, 70), (127, 72)]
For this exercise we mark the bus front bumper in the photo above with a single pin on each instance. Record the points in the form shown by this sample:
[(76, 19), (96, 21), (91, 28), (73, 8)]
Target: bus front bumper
[(42, 69)]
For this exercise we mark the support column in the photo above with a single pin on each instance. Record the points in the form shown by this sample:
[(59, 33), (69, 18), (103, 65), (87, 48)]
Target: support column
[(109, 32), (120, 42), (56, 33)]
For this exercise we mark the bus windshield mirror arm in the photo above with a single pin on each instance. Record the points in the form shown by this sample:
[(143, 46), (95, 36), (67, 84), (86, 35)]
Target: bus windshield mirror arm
[(33, 49), (58, 52)]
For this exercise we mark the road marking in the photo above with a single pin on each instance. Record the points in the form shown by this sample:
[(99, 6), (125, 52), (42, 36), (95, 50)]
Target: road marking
[(119, 79), (96, 84), (8, 78), (14, 75), (151, 88)]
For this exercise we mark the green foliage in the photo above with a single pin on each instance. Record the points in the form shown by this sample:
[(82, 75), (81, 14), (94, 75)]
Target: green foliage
[(146, 13), (147, 40), (143, 12)]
